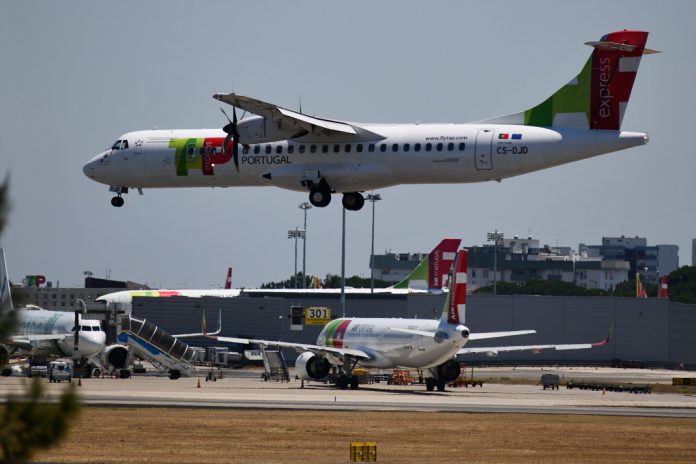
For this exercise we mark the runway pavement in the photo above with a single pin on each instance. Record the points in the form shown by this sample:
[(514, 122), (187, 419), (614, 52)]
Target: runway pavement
[(245, 389)]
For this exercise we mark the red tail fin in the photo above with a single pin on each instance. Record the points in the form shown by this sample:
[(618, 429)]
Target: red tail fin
[(440, 260), (664, 287), (456, 307), (228, 281), (614, 66)]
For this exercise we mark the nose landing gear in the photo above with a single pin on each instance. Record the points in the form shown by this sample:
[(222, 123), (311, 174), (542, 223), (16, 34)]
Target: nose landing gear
[(117, 201)]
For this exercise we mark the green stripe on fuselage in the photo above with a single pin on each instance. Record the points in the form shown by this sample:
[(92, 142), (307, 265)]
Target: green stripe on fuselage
[(331, 328)]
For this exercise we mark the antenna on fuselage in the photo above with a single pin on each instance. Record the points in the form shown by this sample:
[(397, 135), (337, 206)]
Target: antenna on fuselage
[(299, 97)]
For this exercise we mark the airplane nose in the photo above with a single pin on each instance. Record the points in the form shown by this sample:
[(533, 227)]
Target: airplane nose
[(89, 169)]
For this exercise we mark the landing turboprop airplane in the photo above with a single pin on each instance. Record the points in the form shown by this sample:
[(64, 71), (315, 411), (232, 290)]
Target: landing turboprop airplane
[(408, 343), (47, 332), (294, 151), (428, 276)]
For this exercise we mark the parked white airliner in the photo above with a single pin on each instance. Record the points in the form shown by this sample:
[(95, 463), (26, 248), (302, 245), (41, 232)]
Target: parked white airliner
[(408, 343), (47, 332), (294, 151), (429, 276)]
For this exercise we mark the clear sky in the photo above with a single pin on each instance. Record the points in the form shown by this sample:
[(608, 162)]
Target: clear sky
[(75, 75)]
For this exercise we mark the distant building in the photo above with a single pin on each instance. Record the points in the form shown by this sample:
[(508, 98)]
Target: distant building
[(693, 252), (521, 260), (65, 299), (650, 261), (393, 267)]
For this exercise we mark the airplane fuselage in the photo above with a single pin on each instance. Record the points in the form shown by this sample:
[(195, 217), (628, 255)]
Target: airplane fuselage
[(41, 322), (391, 155), (391, 348)]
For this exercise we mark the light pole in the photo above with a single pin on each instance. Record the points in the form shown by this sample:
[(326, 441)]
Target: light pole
[(373, 199), (343, 262), (495, 237), (304, 207), (296, 233)]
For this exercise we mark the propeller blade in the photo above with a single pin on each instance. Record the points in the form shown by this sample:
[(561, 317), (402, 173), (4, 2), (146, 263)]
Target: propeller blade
[(235, 153)]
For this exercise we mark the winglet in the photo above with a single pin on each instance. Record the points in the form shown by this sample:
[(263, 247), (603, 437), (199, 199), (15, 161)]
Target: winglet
[(219, 327), (609, 336)]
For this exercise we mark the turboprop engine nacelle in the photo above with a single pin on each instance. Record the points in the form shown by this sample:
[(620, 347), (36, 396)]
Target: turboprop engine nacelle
[(309, 366), (257, 129), (114, 356)]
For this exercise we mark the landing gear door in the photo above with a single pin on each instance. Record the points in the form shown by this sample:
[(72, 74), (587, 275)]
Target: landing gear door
[(484, 148)]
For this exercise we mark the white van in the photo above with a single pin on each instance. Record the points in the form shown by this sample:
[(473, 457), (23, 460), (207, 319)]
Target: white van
[(59, 370)]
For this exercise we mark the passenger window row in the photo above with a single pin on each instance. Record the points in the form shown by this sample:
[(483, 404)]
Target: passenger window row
[(348, 147)]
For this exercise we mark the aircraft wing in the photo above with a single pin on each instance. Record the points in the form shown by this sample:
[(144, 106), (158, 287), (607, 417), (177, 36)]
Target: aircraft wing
[(36, 338), (536, 348), (486, 335), (24, 342), (203, 332), (301, 347), (287, 118), (473, 336)]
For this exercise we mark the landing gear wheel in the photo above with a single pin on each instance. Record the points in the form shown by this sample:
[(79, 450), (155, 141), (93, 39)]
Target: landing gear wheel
[(353, 201), (354, 382), (320, 197), (117, 201), (343, 381), (174, 374), (430, 384), (441, 384)]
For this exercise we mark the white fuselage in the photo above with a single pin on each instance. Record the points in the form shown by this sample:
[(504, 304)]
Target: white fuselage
[(390, 348), (389, 155), (41, 322)]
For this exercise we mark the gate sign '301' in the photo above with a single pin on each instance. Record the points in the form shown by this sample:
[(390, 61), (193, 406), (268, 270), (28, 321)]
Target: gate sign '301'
[(317, 316)]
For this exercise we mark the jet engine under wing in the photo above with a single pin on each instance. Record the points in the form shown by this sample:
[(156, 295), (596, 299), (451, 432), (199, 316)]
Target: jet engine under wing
[(284, 116), (301, 347)]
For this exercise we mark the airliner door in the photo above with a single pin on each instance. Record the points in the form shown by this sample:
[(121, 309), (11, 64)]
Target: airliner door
[(484, 148)]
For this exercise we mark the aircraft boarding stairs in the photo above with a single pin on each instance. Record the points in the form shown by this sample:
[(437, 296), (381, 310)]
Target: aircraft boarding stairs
[(152, 344), (275, 365)]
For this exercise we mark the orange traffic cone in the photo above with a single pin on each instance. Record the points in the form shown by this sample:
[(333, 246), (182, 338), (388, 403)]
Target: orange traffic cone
[(199, 383)]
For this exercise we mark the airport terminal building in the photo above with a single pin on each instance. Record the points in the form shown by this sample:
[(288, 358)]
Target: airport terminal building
[(652, 332)]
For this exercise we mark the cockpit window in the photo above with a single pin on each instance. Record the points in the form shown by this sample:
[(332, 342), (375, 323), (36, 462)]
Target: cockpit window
[(85, 328), (116, 146), (124, 144)]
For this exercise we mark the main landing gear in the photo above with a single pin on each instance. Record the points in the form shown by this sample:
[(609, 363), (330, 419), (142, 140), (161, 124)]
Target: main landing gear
[(320, 196), (347, 378)]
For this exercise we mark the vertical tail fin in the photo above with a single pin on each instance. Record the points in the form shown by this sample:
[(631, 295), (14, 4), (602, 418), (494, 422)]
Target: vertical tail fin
[(228, 281), (597, 97), (664, 287), (5, 296), (429, 274), (454, 311)]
